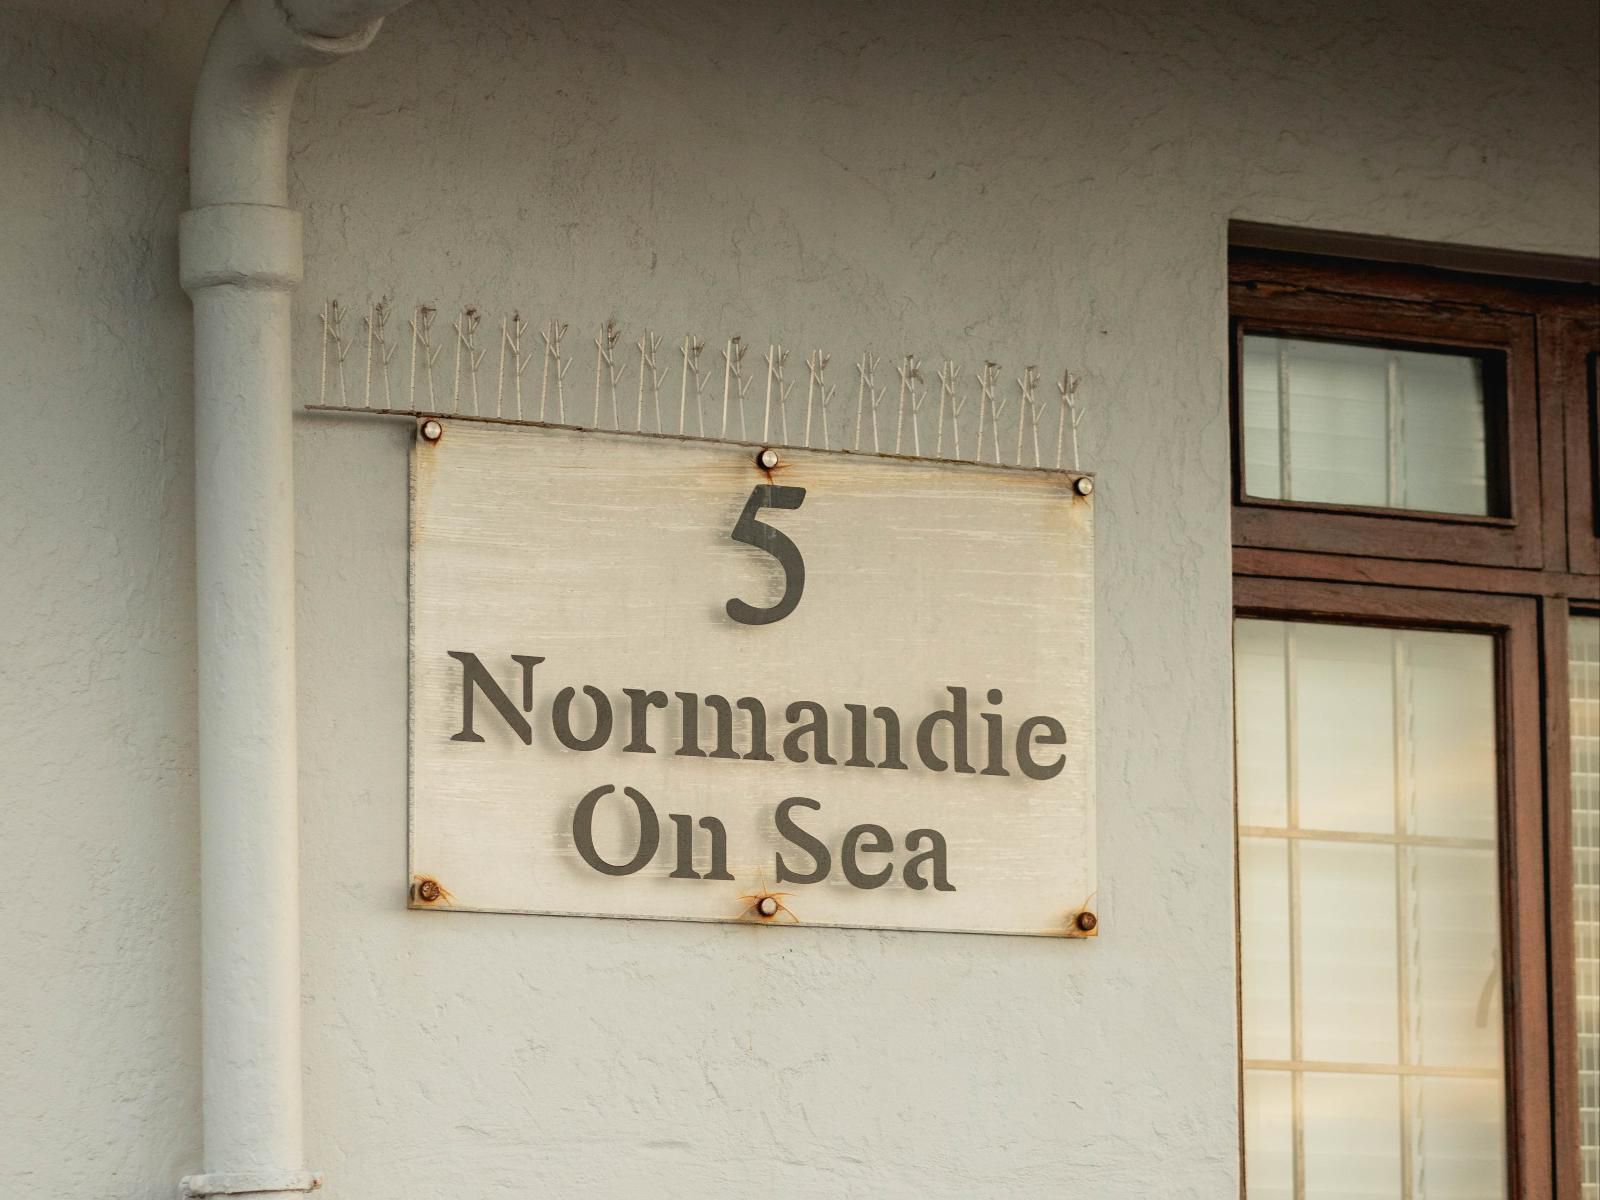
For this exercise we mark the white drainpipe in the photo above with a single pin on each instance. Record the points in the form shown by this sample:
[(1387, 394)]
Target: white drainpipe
[(240, 258)]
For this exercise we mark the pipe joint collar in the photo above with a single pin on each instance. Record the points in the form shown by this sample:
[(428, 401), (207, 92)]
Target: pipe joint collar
[(249, 1183), (275, 35), (240, 245)]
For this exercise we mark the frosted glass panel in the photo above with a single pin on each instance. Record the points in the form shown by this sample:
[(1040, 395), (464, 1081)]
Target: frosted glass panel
[(1451, 739), (1352, 1137), (1340, 423), (1269, 1135), (1261, 762), (1347, 955), (1584, 684), (1456, 990), (1460, 1152), (1344, 727), (1371, 987), (1264, 946), (1261, 412)]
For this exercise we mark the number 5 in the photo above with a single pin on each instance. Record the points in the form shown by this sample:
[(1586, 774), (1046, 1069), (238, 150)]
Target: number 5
[(776, 543)]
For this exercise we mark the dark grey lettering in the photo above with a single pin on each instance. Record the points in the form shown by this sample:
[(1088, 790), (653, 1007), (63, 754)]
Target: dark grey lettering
[(801, 840), (1055, 735), (583, 831), (996, 737), (956, 717), (684, 827), (817, 727), (881, 843), (689, 743), (719, 848), (639, 718), (935, 854), (858, 738), (561, 719), (474, 677), (758, 729)]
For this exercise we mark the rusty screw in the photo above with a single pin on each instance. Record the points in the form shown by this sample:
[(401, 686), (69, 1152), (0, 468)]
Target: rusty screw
[(767, 459), (432, 431), (429, 890), (1083, 486), (1086, 921), (767, 906)]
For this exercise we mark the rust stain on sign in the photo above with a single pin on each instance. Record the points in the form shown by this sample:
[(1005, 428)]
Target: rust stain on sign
[(429, 891)]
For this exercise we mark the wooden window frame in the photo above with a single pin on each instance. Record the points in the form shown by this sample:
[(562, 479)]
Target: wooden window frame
[(1513, 623), (1551, 452), (1521, 577), (1570, 358), (1512, 539)]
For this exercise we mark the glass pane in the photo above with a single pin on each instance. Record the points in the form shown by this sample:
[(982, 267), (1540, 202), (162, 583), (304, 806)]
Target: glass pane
[(1460, 1140), (1338, 418), (1269, 1135), (1366, 425), (1441, 444), (1264, 946), (1584, 676), (1450, 738), (1455, 1000), (1369, 940), (1344, 726), (1263, 463), (1261, 760), (1352, 1137), (1350, 993)]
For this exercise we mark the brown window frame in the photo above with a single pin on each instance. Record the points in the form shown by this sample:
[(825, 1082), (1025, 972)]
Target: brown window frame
[(1570, 354), (1520, 577), (1323, 305), (1513, 623)]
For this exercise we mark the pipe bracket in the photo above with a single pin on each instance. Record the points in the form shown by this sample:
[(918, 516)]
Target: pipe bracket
[(245, 245), (276, 1182)]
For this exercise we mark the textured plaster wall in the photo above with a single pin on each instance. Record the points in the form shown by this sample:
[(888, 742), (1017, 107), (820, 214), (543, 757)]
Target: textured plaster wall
[(1030, 183), (99, 971)]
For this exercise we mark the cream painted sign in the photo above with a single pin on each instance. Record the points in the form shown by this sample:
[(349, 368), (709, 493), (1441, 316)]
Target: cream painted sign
[(679, 679)]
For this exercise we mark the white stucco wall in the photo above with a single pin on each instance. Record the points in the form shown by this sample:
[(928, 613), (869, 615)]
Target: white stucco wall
[(99, 953), (1030, 183)]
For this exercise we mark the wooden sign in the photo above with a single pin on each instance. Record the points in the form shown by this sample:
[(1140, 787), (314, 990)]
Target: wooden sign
[(670, 678)]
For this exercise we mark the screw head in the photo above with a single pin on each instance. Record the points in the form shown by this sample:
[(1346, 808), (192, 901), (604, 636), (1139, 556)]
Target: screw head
[(767, 906), (1083, 486), (1086, 921), (767, 459), (432, 431), (429, 890)]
